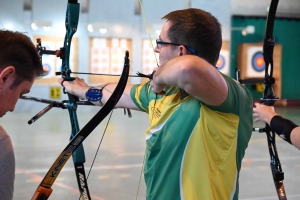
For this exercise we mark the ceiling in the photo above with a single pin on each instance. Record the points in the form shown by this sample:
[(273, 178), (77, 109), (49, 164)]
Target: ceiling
[(286, 8)]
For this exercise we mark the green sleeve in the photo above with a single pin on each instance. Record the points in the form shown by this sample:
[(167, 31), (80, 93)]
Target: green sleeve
[(140, 94)]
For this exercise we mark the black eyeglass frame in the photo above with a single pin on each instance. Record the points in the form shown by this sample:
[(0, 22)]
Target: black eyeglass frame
[(193, 51)]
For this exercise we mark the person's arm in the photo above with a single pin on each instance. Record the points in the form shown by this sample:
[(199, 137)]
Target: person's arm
[(194, 75), (263, 113), (79, 88), (285, 128), (295, 137), (7, 166)]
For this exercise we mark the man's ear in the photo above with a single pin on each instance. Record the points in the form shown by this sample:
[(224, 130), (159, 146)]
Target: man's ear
[(7, 74), (182, 51)]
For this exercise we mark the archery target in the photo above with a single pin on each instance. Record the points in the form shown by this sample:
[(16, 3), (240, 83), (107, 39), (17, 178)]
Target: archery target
[(48, 70), (223, 62), (100, 60), (119, 46), (117, 55), (255, 62), (48, 66), (148, 57), (100, 56), (258, 62), (251, 63), (48, 60)]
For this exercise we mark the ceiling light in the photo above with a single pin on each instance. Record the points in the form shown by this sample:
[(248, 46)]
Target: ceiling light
[(103, 30), (90, 28)]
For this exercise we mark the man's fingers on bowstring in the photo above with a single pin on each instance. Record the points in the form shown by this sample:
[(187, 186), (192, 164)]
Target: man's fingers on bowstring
[(159, 92), (157, 88)]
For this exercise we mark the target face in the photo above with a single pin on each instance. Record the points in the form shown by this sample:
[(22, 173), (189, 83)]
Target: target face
[(258, 62), (221, 62), (47, 69)]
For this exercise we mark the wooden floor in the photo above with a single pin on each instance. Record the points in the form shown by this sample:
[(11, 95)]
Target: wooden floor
[(117, 168)]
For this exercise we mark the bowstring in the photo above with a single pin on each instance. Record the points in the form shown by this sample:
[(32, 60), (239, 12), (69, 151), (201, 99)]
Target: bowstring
[(102, 135), (96, 154), (141, 173), (148, 31), (97, 151)]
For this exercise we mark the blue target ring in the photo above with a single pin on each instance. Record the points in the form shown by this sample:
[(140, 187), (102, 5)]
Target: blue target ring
[(221, 62), (47, 69), (258, 62)]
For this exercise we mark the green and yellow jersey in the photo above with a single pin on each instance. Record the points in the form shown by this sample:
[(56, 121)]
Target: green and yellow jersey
[(194, 150)]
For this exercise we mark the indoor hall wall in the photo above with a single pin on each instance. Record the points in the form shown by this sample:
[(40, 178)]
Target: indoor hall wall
[(221, 10), (12, 15), (112, 14)]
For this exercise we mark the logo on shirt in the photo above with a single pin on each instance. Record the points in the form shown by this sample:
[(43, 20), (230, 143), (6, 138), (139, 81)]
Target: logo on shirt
[(156, 112)]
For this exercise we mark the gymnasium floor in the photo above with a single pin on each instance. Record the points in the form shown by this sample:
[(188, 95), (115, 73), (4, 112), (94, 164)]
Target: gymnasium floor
[(116, 171)]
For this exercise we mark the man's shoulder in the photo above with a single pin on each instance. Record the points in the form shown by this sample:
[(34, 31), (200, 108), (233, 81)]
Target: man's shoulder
[(3, 134)]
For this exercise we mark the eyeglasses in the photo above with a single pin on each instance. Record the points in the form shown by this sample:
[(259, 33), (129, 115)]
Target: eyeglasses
[(159, 43)]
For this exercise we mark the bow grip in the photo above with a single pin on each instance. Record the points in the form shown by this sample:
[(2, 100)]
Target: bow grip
[(42, 193)]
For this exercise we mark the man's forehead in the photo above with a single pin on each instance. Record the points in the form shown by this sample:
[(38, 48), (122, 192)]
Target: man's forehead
[(164, 30)]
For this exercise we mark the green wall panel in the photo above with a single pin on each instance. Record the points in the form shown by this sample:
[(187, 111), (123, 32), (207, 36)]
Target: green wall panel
[(286, 33)]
